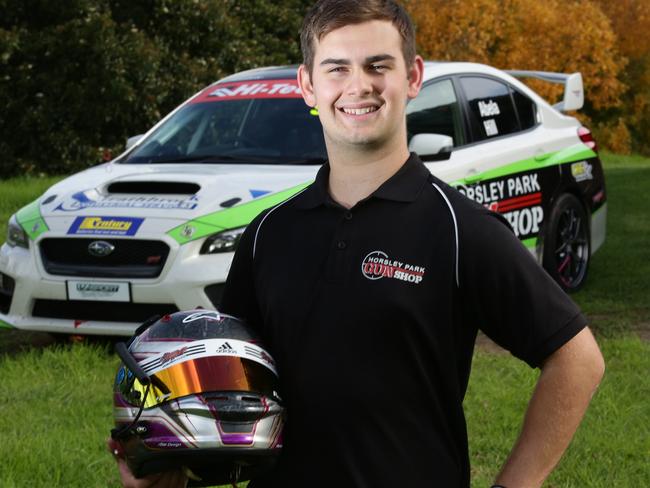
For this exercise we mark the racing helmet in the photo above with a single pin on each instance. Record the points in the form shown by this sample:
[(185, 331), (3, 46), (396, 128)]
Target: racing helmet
[(197, 391)]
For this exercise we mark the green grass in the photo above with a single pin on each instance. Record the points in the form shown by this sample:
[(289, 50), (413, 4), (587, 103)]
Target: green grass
[(15, 193), (55, 415), (615, 297), (55, 400), (612, 445)]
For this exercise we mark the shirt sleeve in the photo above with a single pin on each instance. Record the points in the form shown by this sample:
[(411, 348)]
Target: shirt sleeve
[(239, 295), (508, 295)]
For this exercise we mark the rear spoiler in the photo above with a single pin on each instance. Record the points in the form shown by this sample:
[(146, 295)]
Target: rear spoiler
[(574, 94)]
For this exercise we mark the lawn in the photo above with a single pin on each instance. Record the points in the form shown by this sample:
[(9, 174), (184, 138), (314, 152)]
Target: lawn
[(616, 294), (55, 400)]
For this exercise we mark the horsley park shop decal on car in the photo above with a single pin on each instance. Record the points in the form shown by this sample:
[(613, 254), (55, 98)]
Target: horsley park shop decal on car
[(518, 198)]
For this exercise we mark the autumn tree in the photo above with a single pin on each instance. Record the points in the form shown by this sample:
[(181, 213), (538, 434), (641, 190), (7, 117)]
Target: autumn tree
[(630, 20), (78, 76), (554, 35)]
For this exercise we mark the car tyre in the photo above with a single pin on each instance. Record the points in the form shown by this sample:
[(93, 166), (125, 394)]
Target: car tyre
[(567, 243)]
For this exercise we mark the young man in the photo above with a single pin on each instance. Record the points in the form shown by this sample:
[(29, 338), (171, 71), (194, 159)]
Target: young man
[(369, 287)]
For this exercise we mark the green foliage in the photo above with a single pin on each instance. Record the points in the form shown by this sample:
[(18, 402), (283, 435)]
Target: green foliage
[(80, 76)]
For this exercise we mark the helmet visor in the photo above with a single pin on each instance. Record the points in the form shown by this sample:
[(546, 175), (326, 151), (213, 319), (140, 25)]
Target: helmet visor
[(207, 374)]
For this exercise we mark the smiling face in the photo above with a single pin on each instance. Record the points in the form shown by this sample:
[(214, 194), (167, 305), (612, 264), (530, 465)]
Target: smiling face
[(360, 83)]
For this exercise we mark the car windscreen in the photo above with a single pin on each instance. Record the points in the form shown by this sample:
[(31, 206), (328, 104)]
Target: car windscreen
[(263, 122)]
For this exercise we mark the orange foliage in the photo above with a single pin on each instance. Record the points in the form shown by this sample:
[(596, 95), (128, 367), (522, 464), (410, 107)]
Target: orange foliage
[(553, 35), (614, 136), (630, 20)]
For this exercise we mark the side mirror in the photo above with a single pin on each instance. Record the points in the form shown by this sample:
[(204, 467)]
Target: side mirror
[(132, 141), (430, 144)]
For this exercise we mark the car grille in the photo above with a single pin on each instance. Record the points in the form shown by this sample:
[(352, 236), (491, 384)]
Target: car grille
[(105, 311), (7, 285), (130, 259)]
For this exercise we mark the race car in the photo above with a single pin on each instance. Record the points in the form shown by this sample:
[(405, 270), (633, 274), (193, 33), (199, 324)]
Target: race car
[(154, 230)]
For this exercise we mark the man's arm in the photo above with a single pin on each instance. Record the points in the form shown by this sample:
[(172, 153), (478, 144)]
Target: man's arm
[(568, 380)]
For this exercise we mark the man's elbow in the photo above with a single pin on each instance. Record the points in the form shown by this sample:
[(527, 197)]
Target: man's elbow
[(582, 357), (593, 358), (596, 364)]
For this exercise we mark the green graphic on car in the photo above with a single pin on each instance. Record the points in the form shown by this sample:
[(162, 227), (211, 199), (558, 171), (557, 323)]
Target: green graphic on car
[(241, 215)]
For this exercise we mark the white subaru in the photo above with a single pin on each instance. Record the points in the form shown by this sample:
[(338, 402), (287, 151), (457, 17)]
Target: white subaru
[(154, 230)]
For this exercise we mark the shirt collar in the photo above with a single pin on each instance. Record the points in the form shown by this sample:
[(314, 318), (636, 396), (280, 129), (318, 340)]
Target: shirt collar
[(403, 186)]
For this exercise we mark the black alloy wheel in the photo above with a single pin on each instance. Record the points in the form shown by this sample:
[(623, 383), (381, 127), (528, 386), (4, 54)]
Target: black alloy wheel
[(567, 243)]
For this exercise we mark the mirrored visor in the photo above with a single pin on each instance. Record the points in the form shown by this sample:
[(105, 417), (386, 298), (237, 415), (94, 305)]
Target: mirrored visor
[(208, 374)]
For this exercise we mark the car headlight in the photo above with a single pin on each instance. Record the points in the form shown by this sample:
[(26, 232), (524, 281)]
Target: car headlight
[(16, 235), (225, 241)]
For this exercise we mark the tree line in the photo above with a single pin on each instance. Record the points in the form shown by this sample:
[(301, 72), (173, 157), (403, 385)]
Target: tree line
[(77, 77)]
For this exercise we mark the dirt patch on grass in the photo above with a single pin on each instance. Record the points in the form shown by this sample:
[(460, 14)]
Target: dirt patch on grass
[(642, 329), (484, 343), (15, 341)]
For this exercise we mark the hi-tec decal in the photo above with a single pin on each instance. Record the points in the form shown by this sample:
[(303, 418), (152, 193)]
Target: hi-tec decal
[(518, 198), (92, 199), (113, 226), (582, 171), (250, 89), (377, 265)]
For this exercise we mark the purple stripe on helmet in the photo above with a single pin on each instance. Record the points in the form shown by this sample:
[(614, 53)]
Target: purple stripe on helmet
[(240, 439), (118, 401), (159, 435)]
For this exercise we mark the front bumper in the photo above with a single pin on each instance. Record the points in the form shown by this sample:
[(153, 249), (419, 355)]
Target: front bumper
[(39, 301)]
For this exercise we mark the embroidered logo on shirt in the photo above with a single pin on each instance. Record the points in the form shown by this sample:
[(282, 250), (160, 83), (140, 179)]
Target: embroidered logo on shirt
[(377, 265)]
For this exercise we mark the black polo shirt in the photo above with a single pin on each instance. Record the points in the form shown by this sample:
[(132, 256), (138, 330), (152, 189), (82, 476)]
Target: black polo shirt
[(371, 314)]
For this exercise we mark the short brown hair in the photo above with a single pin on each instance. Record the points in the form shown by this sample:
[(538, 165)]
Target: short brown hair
[(328, 15)]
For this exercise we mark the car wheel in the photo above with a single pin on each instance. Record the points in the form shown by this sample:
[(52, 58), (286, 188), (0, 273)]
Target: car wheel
[(567, 243)]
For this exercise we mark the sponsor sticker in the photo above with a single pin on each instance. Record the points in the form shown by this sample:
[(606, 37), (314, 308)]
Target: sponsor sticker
[(208, 348), (109, 226), (518, 198), (109, 291), (188, 231), (92, 199), (226, 348), (490, 127), (582, 171), (377, 265), (489, 108), (241, 90), (170, 356)]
